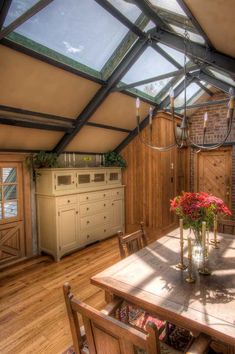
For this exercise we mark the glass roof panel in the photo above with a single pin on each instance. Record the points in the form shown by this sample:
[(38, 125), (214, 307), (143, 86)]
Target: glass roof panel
[(193, 36), (149, 64), (130, 10), (190, 92), (169, 5), (222, 76), (17, 8), (81, 30), (153, 88), (178, 56), (149, 26)]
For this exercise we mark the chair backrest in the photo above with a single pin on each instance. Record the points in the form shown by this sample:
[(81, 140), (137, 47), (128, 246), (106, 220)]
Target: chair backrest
[(133, 242), (104, 334), (227, 226)]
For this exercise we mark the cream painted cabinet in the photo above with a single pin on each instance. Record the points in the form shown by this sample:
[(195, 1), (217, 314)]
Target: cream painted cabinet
[(76, 207)]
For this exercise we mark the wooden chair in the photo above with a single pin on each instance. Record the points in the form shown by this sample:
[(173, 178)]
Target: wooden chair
[(133, 242), (103, 334), (226, 226)]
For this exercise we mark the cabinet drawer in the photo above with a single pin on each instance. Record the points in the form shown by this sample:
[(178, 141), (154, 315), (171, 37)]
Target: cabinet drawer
[(95, 207), (119, 192), (88, 236), (89, 197), (70, 199), (93, 220)]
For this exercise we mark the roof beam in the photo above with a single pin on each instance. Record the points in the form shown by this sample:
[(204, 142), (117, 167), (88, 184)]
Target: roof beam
[(121, 18), (197, 51), (212, 80), (201, 104), (24, 17), (105, 126), (144, 122), (194, 21), (156, 78), (29, 124), (4, 8), (148, 11), (204, 88), (134, 53)]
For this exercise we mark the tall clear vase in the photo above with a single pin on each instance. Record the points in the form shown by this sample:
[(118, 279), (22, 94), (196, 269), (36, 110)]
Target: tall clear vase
[(198, 249)]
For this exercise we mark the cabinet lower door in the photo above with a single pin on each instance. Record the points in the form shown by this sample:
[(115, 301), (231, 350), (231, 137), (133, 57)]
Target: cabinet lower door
[(68, 228), (117, 219)]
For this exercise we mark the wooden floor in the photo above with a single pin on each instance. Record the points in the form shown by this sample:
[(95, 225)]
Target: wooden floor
[(32, 311)]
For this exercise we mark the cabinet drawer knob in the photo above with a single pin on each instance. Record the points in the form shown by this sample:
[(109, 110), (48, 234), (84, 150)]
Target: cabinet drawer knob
[(104, 230), (117, 192), (87, 208), (104, 195), (88, 222), (68, 201), (112, 203), (76, 212), (104, 217), (104, 204), (88, 236), (87, 198)]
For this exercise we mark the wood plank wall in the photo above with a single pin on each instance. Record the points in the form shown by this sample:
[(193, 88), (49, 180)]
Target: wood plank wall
[(152, 178)]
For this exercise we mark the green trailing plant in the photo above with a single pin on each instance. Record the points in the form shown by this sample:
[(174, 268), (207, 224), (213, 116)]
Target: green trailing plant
[(41, 159), (112, 158)]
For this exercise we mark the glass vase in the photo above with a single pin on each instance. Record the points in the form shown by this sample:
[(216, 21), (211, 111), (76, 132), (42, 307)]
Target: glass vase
[(198, 249)]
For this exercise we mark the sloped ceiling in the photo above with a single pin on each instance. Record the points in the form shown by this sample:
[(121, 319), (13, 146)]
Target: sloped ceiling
[(30, 84), (217, 20)]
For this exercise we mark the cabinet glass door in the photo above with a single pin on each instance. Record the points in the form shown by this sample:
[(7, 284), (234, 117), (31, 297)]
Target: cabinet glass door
[(98, 178), (114, 176), (64, 181), (83, 179)]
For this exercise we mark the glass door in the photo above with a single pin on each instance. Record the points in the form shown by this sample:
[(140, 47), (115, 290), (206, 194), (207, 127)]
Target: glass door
[(114, 176), (64, 181)]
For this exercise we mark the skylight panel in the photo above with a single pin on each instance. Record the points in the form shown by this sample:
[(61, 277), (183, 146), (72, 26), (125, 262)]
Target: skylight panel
[(169, 5), (191, 90), (17, 8), (149, 64), (130, 10), (192, 36), (149, 26), (178, 56), (222, 76), (153, 88), (81, 30)]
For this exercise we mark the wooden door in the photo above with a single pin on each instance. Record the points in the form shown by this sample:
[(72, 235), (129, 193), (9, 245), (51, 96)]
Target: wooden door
[(12, 238), (214, 173), (68, 228)]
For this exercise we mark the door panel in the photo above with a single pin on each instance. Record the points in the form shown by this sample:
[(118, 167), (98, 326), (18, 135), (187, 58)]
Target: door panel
[(12, 244), (68, 230), (214, 173)]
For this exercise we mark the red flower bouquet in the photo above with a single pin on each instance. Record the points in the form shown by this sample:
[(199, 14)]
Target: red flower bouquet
[(194, 208)]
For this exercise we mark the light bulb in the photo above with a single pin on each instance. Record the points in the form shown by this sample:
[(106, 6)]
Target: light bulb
[(205, 117), (171, 92), (137, 103)]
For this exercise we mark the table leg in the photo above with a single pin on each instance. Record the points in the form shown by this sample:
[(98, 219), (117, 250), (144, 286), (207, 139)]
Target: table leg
[(108, 296)]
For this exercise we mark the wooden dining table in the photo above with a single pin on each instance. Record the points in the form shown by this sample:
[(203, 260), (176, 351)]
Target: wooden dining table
[(150, 279)]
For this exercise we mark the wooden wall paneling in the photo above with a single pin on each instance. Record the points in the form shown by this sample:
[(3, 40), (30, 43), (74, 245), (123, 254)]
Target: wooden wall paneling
[(152, 178)]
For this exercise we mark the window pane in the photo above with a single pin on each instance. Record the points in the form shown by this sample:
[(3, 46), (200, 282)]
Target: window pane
[(222, 76), (10, 209), (153, 88), (81, 30), (178, 56), (190, 91), (17, 8), (169, 5), (149, 26), (9, 192), (150, 64), (9, 175), (193, 36), (131, 11)]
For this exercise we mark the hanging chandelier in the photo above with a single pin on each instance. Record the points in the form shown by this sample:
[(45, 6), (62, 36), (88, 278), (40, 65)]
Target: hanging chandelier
[(182, 136)]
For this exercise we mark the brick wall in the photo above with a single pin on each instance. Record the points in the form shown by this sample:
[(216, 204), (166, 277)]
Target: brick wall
[(216, 129)]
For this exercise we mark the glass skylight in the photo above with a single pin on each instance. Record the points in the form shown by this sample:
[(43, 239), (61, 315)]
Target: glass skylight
[(193, 36), (17, 8), (131, 11), (150, 64), (81, 30), (222, 76), (153, 88), (169, 5), (190, 92), (178, 56)]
